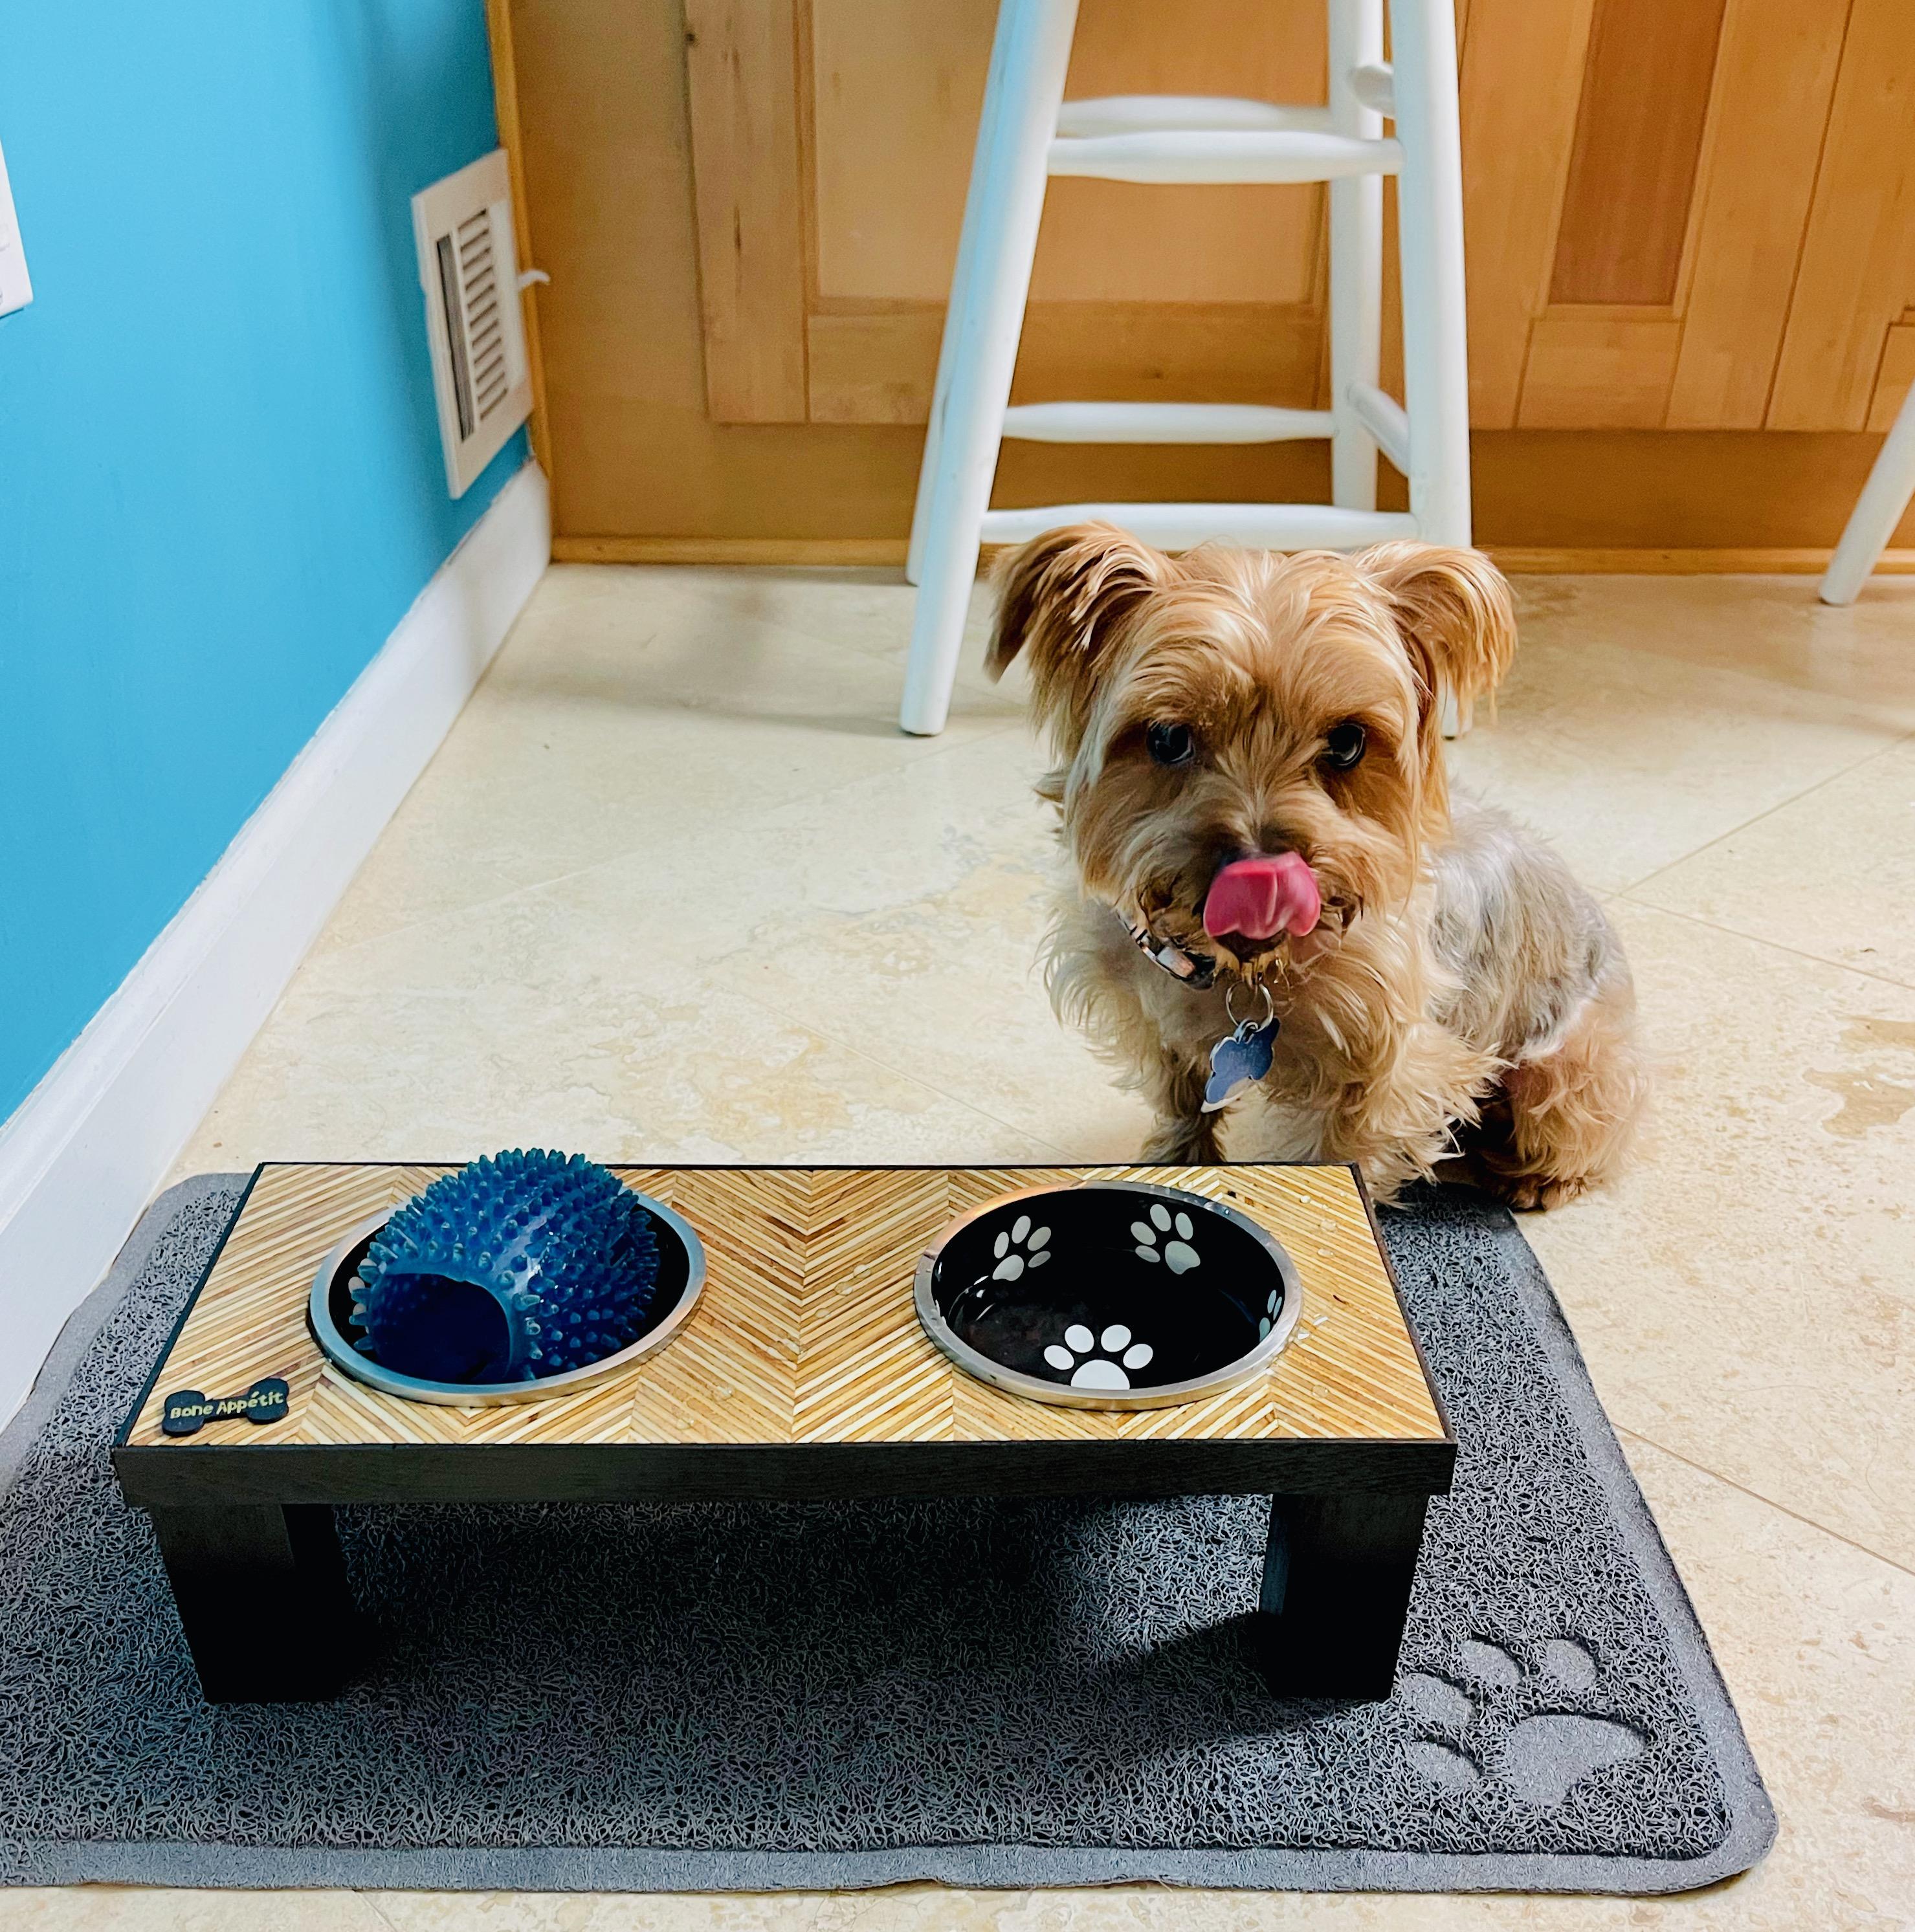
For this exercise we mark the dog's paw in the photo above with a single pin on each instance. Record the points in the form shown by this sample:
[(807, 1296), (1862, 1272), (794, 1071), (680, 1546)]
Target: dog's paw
[(1176, 1253), (1078, 1355), (1528, 1197), (1530, 1193), (1541, 1757)]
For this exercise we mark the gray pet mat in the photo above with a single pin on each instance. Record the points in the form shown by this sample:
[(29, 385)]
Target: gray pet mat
[(758, 1696)]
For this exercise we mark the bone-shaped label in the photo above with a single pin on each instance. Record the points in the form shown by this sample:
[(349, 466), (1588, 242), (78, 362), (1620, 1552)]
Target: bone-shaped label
[(270, 1400)]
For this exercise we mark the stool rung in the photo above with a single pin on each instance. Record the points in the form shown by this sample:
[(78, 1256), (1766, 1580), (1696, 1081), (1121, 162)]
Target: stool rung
[(1163, 422), (1223, 154), (1375, 85), (1139, 113), (1179, 526)]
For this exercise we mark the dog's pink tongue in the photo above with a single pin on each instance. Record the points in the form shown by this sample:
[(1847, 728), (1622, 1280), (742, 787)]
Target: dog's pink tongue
[(1262, 897)]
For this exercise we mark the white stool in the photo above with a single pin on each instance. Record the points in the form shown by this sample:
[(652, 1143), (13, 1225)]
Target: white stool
[(1028, 131), (1871, 524)]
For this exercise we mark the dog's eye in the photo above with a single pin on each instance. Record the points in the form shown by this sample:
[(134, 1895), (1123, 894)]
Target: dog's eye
[(1342, 747), (1172, 744)]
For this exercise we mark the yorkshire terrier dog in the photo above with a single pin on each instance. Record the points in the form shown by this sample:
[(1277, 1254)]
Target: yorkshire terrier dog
[(1272, 889)]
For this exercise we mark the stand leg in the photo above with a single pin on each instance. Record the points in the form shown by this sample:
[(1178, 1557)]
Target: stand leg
[(263, 1597), (1337, 1579)]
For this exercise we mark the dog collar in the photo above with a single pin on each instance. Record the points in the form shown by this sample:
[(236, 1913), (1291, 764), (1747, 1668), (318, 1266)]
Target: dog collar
[(1241, 1058), (1195, 971)]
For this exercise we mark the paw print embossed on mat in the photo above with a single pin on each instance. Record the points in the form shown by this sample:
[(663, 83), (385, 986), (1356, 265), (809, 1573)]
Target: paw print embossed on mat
[(1541, 1757)]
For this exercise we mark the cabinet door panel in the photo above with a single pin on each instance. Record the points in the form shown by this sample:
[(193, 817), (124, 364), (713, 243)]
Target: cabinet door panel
[(1731, 248)]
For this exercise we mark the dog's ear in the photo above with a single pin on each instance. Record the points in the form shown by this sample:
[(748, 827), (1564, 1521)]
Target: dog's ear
[(1062, 597), (1453, 609)]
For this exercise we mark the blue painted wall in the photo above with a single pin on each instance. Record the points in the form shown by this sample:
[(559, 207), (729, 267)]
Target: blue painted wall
[(220, 483)]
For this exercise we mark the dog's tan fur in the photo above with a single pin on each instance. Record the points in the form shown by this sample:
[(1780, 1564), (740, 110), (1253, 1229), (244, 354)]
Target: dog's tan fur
[(1461, 991)]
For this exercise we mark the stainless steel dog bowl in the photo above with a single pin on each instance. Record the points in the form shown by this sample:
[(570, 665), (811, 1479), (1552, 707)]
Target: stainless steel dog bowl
[(329, 1311), (1108, 1294)]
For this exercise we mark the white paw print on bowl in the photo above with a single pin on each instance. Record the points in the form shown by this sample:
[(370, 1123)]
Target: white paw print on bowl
[(1177, 1255), (1105, 1371), (1024, 1246), (1270, 1306)]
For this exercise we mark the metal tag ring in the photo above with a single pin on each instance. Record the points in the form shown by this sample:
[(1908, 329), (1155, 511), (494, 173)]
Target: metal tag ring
[(1230, 1004)]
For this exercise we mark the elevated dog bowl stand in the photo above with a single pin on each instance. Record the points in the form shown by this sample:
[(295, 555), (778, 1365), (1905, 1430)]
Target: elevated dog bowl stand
[(802, 1373)]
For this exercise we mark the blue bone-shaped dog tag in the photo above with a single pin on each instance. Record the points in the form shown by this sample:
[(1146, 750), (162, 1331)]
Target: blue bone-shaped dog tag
[(1238, 1060)]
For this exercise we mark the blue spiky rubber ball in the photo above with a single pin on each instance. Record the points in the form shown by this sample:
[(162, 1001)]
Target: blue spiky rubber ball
[(524, 1265)]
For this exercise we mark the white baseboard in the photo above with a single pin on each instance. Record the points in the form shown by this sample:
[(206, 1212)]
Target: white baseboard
[(86, 1149)]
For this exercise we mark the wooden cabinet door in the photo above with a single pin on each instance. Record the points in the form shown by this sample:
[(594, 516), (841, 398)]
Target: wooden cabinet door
[(1681, 213), (831, 147)]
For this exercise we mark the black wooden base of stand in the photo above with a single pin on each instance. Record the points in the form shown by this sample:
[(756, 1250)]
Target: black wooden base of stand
[(1336, 1578), (263, 1598)]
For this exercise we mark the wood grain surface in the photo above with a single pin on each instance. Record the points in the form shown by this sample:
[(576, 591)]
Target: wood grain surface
[(739, 68), (1632, 172), (749, 210), (805, 1333)]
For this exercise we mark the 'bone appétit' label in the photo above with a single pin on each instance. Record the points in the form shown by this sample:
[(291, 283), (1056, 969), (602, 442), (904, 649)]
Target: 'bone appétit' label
[(270, 1400)]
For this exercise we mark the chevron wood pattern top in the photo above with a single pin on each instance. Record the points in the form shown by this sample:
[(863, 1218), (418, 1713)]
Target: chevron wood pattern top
[(806, 1332)]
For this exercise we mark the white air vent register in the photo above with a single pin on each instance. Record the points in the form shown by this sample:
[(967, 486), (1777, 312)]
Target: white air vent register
[(468, 269), (16, 287)]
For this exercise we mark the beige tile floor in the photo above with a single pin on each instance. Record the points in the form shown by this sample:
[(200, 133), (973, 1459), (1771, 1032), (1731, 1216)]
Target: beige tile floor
[(675, 888)]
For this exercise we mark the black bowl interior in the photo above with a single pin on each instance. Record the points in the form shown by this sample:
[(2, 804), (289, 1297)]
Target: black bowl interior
[(472, 1337), (1103, 1287)]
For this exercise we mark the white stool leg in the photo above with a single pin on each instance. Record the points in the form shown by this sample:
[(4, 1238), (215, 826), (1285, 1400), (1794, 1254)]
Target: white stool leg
[(1878, 510), (941, 394), (1429, 226), (1028, 60), (927, 466), (1435, 365), (1356, 257)]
